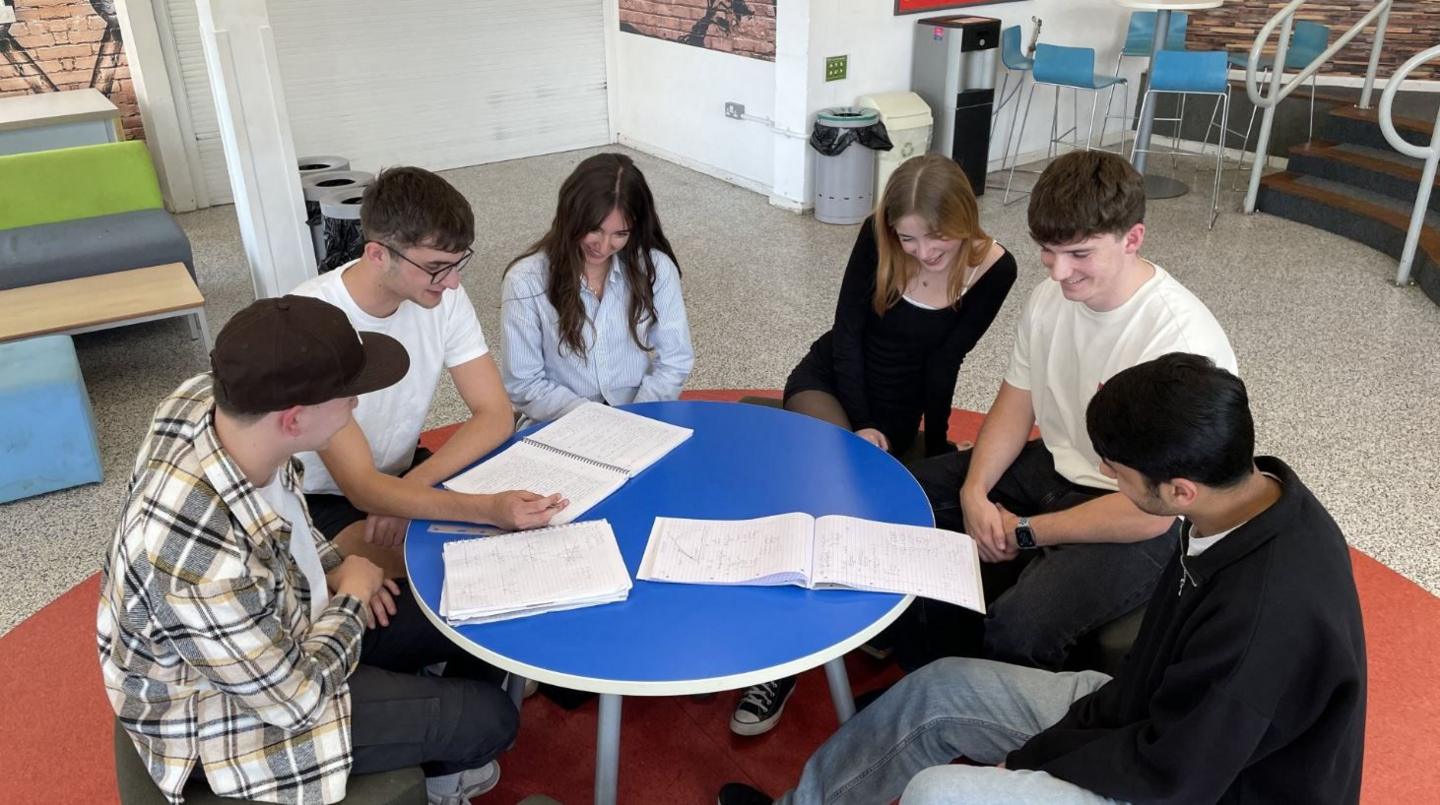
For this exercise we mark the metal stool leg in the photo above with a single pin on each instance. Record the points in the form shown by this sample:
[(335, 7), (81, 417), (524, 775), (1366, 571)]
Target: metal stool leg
[(1017, 134)]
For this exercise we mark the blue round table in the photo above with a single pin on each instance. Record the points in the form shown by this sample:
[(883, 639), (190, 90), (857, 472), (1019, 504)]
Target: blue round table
[(743, 461)]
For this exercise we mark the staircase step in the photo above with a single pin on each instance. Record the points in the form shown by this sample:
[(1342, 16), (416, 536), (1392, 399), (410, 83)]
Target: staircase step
[(1376, 220), (1351, 124), (1385, 172)]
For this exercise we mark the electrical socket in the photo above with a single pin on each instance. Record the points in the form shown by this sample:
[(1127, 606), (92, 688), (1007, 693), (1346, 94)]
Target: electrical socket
[(735, 110)]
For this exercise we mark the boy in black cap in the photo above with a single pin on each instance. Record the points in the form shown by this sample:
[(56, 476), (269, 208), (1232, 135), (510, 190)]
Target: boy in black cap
[(233, 634)]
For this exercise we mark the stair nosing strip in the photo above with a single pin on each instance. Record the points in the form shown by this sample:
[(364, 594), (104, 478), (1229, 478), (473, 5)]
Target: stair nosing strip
[(1429, 236)]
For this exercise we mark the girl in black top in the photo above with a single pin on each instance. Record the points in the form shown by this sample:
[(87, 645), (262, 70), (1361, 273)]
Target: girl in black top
[(913, 302)]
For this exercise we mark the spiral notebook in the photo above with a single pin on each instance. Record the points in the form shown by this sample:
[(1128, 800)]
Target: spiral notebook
[(525, 573), (816, 553), (585, 456)]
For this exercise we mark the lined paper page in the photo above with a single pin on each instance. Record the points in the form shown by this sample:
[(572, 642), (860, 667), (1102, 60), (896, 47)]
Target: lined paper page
[(535, 469), (526, 572), (767, 551), (611, 436), (886, 557)]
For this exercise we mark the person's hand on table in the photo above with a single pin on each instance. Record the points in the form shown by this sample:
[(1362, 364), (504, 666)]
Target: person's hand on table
[(983, 523), (517, 509), (874, 437), (384, 530)]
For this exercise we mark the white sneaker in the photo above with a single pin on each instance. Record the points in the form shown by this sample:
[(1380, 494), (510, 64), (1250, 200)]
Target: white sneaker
[(473, 783)]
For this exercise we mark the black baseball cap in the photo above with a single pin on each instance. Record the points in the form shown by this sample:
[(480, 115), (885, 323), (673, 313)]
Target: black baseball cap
[(296, 350)]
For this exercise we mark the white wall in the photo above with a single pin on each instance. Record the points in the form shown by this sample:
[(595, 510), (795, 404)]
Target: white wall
[(669, 100), (879, 45)]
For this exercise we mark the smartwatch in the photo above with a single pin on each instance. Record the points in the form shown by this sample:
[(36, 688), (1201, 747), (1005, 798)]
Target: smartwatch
[(1024, 536)]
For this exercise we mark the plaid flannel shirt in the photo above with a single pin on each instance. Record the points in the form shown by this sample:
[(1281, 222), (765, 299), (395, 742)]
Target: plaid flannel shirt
[(206, 644)]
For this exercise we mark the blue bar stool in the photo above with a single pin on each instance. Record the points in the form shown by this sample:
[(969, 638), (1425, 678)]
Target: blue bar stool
[(1070, 68), (1194, 73), (1307, 41), (1140, 38), (1012, 55)]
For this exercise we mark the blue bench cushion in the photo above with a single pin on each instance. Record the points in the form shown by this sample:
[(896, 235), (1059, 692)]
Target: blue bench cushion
[(48, 441), (85, 247)]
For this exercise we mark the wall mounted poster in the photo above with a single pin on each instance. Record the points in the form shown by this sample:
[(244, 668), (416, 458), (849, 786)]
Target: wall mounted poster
[(920, 6), (742, 27)]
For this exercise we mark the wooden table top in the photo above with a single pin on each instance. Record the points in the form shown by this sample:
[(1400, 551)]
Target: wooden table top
[(50, 108), (56, 307)]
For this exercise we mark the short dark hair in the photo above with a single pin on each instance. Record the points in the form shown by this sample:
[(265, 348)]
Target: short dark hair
[(1083, 194), (1178, 416), (409, 206)]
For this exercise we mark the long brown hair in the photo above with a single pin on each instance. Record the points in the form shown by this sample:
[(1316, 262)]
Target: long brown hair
[(933, 187), (598, 185)]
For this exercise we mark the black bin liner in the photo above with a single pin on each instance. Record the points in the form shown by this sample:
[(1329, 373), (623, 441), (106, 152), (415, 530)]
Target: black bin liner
[(832, 140)]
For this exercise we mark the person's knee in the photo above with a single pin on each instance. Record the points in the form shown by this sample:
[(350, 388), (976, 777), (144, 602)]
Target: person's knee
[(1016, 633), (484, 721), (944, 785)]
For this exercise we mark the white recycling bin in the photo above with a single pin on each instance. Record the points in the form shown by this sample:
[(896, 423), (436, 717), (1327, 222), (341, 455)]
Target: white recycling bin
[(909, 123)]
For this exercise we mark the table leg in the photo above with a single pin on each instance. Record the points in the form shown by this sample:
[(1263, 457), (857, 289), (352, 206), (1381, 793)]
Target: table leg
[(607, 750), (1155, 186), (840, 693), (515, 686)]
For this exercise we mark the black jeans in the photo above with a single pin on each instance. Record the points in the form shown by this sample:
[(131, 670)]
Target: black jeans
[(1042, 602), (399, 718)]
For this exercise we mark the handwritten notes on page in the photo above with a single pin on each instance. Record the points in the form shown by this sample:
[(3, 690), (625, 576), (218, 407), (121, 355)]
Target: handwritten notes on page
[(611, 436), (767, 551), (535, 469), (528, 572), (887, 557)]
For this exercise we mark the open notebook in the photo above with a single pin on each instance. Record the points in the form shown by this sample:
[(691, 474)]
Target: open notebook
[(529, 572), (585, 455), (830, 551)]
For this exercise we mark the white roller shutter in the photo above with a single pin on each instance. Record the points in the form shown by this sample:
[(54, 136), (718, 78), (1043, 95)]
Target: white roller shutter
[(436, 83)]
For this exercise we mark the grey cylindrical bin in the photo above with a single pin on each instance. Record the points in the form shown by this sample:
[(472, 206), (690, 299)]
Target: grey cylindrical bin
[(317, 186), (845, 182), (343, 240)]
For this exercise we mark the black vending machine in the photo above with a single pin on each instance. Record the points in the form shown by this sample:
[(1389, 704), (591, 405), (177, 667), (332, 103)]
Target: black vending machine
[(953, 69)]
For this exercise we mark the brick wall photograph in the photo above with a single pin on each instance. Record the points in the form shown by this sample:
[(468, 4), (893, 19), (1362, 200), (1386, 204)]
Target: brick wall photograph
[(1414, 26), (742, 27), (57, 45)]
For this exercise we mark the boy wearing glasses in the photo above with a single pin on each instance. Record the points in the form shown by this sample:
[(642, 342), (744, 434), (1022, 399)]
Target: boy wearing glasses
[(364, 487)]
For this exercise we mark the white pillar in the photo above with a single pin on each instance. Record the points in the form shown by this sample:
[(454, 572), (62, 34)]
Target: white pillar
[(790, 183), (255, 129)]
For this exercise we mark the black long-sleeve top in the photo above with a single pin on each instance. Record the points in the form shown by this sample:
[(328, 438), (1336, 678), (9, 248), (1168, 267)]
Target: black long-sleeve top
[(907, 359), (1246, 682)]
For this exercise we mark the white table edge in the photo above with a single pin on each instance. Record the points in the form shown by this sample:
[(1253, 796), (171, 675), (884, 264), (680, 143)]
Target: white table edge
[(682, 687)]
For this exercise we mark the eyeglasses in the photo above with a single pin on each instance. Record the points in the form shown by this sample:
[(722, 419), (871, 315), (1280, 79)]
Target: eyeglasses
[(437, 275)]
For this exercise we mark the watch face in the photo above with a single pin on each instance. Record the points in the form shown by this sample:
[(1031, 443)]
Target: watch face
[(1024, 537)]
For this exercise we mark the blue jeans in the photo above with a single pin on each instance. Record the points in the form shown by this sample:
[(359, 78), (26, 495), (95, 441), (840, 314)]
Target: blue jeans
[(957, 707), (1042, 602)]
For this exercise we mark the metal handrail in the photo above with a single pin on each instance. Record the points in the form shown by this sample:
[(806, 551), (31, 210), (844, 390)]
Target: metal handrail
[(1431, 156), (1279, 89)]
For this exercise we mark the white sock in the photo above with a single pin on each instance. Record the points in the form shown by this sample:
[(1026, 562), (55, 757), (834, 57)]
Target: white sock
[(443, 785)]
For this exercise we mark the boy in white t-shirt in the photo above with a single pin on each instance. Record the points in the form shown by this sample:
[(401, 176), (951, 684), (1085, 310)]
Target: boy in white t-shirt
[(1065, 552), (371, 480)]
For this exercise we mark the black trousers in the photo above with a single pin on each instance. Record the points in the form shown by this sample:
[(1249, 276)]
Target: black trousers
[(399, 718), (1043, 601)]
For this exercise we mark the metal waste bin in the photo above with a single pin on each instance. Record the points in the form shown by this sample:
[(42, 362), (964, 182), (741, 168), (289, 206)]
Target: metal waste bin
[(319, 186), (907, 122), (343, 240), (844, 140), (953, 68)]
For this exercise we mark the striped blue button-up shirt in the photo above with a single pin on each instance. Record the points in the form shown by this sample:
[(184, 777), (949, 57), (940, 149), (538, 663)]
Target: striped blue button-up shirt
[(545, 383)]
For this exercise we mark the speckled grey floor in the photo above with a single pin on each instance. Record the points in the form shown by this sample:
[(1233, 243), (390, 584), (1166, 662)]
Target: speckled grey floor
[(1342, 366)]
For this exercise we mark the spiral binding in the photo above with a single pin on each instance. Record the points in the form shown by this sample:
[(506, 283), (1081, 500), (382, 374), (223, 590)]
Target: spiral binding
[(527, 532), (592, 462)]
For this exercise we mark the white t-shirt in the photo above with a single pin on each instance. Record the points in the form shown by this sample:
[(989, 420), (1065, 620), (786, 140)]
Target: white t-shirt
[(1064, 351), (440, 338), (302, 542)]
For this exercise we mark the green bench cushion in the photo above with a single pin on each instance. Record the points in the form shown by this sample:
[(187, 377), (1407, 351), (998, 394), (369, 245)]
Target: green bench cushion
[(44, 187)]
